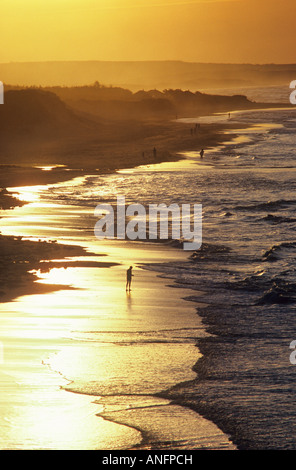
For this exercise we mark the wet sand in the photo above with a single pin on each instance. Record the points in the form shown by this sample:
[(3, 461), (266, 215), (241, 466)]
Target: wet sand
[(119, 145), (114, 349), (50, 329), (122, 150), (19, 258)]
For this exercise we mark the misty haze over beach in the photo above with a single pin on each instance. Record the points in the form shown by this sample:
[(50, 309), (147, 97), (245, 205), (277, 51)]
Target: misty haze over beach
[(137, 75)]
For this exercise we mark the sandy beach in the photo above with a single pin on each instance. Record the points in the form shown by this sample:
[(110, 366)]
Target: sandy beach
[(80, 352), (51, 339), (65, 316), (130, 146), (170, 139)]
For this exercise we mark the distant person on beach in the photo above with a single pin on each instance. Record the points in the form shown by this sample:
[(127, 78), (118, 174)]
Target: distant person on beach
[(129, 276), (154, 152), (201, 153)]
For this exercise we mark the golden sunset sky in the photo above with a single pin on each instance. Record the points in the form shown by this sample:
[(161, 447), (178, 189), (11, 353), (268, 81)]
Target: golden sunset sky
[(237, 31)]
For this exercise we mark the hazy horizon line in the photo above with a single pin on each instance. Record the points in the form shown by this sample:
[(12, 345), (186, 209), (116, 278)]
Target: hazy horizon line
[(143, 61)]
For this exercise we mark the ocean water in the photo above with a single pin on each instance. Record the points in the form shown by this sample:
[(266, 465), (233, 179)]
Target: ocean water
[(240, 376)]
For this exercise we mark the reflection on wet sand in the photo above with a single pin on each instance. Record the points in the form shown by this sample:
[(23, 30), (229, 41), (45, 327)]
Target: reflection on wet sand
[(80, 334), (92, 337)]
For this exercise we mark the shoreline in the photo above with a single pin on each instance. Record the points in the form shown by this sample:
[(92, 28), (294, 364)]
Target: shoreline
[(61, 161), (148, 412), (19, 258), (201, 395), (170, 139), (179, 411), (188, 405), (209, 136)]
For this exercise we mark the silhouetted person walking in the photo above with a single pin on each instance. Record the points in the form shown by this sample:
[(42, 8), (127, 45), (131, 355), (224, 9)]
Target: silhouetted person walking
[(201, 153), (129, 276), (154, 152)]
